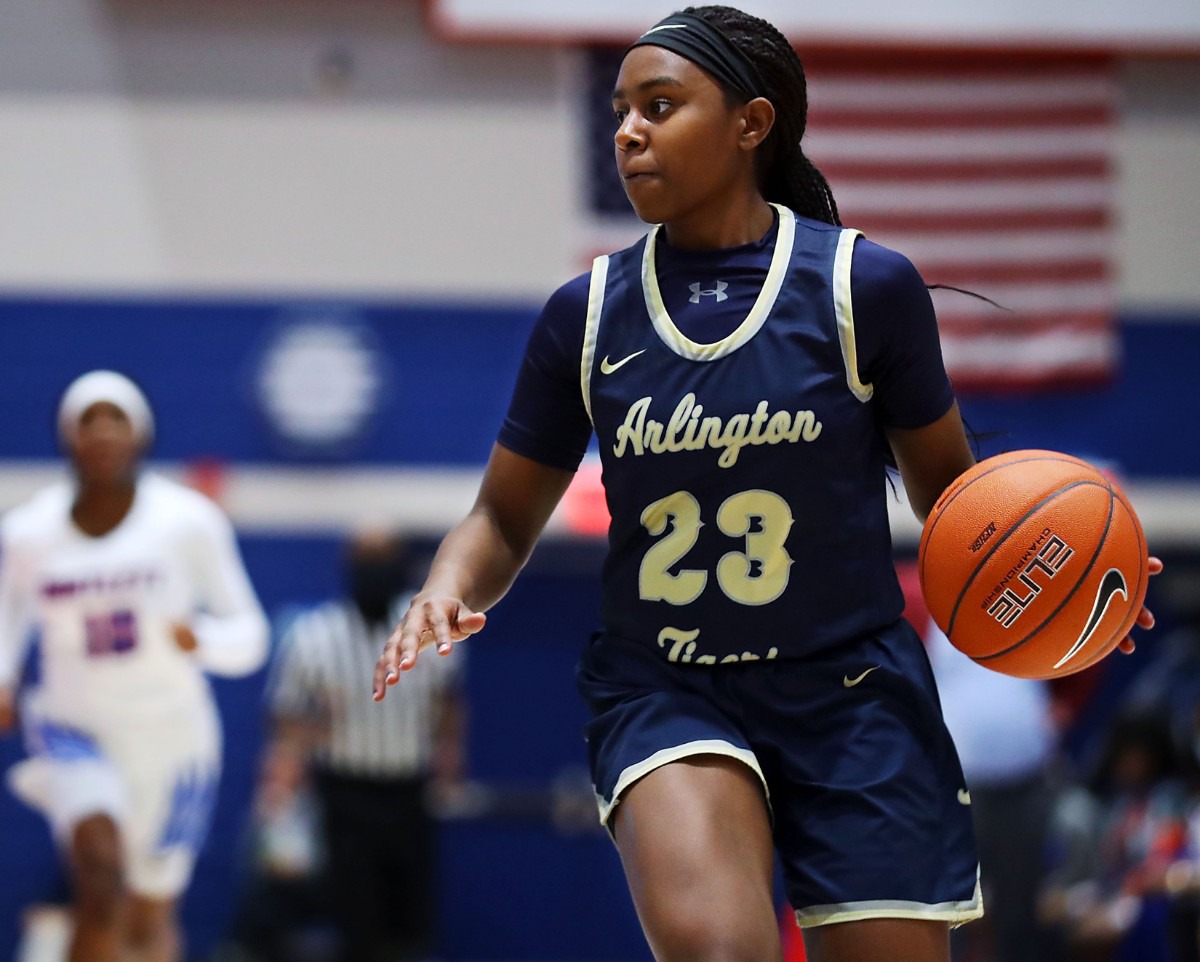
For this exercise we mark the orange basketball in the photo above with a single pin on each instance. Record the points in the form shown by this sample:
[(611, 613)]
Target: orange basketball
[(1034, 564)]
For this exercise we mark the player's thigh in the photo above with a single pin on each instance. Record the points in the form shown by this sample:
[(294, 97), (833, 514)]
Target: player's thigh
[(870, 940), (695, 839)]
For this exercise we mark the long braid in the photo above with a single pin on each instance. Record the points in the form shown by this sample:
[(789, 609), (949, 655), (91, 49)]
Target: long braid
[(787, 176)]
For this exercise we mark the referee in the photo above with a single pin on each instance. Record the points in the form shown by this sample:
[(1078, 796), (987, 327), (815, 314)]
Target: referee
[(372, 765)]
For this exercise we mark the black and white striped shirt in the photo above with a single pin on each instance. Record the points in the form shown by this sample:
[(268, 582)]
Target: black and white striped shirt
[(323, 671)]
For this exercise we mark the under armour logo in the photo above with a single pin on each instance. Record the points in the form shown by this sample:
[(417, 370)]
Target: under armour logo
[(718, 292)]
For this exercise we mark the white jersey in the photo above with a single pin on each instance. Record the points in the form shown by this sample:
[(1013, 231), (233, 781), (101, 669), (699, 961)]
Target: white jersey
[(105, 606)]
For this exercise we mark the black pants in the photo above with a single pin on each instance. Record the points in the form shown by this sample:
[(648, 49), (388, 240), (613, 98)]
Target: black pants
[(381, 846)]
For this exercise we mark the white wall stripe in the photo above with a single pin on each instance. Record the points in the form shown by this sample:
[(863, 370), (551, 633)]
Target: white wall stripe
[(1028, 354), (1033, 298), (1007, 143), (290, 502), (901, 197), (996, 247), (826, 91)]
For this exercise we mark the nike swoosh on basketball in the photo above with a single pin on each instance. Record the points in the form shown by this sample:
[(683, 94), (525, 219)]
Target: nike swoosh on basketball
[(849, 682), (1111, 584), (607, 368)]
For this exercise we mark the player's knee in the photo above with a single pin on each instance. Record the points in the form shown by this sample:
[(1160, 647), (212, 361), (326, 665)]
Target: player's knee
[(713, 936), (153, 930), (100, 892)]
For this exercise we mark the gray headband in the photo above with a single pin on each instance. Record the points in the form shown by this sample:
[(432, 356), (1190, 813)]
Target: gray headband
[(708, 48)]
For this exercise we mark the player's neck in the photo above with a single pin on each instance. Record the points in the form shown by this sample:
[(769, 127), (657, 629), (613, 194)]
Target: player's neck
[(99, 509), (735, 221)]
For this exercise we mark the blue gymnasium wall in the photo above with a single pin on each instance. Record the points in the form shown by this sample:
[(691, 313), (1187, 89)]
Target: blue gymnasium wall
[(510, 889), (450, 371)]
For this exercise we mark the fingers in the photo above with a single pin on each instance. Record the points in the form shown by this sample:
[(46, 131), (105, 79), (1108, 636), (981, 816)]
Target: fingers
[(436, 622), (1145, 618), (471, 623)]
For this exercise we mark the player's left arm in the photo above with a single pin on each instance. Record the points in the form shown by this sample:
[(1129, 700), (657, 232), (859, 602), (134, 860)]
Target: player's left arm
[(899, 355), (231, 630), (930, 458)]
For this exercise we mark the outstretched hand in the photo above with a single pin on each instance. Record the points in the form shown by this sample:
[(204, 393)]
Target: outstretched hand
[(1145, 618), (437, 621)]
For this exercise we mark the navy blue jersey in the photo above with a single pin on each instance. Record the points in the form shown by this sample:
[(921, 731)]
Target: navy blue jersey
[(745, 474)]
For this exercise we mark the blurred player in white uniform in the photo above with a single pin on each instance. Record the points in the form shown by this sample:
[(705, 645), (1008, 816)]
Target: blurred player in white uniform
[(136, 589)]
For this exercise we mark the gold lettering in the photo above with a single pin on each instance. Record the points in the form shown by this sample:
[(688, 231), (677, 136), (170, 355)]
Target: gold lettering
[(631, 430), (654, 437), (710, 433), (688, 430), (757, 420), (805, 426), (682, 642), (679, 419), (733, 437), (779, 427), (689, 434)]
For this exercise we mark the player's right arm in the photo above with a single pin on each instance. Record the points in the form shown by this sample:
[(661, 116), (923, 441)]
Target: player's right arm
[(478, 560), (541, 443), (14, 625)]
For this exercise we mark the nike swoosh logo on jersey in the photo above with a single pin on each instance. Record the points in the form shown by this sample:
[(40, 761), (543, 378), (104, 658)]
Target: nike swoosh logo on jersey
[(607, 368), (849, 682), (964, 797), (1111, 584)]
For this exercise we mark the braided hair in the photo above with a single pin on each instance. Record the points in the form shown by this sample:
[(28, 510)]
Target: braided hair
[(786, 175)]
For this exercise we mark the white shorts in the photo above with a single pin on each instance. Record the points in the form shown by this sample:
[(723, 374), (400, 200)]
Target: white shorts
[(157, 780)]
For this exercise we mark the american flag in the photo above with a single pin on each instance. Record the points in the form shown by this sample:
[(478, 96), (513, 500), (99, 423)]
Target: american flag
[(992, 174), (994, 177)]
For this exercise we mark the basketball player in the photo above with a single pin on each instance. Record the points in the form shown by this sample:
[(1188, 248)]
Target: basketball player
[(750, 369), (136, 588)]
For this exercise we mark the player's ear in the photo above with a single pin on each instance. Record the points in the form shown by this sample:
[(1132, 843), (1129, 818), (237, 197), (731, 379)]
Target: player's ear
[(758, 117)]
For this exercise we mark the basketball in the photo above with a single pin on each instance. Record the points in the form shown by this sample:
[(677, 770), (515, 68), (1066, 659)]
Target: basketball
[(1034, 564)]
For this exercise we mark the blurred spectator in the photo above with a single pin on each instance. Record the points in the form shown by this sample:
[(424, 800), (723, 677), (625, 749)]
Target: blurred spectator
[(1170, 684), (1007, 742), (1006, 732), (371, 767), (1171, 681), (1121, 845)]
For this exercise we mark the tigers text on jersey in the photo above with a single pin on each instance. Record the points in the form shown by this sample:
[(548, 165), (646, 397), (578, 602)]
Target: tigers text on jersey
[(105, 606), (745, 476)]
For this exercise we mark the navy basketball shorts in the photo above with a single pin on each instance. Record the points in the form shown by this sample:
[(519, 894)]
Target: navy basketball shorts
[(869, 810)]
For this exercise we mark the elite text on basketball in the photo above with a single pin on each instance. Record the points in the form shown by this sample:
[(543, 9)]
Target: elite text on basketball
[(1047, 554)]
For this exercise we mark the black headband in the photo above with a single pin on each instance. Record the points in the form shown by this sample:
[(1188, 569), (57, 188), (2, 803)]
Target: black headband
[(705, 46)]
